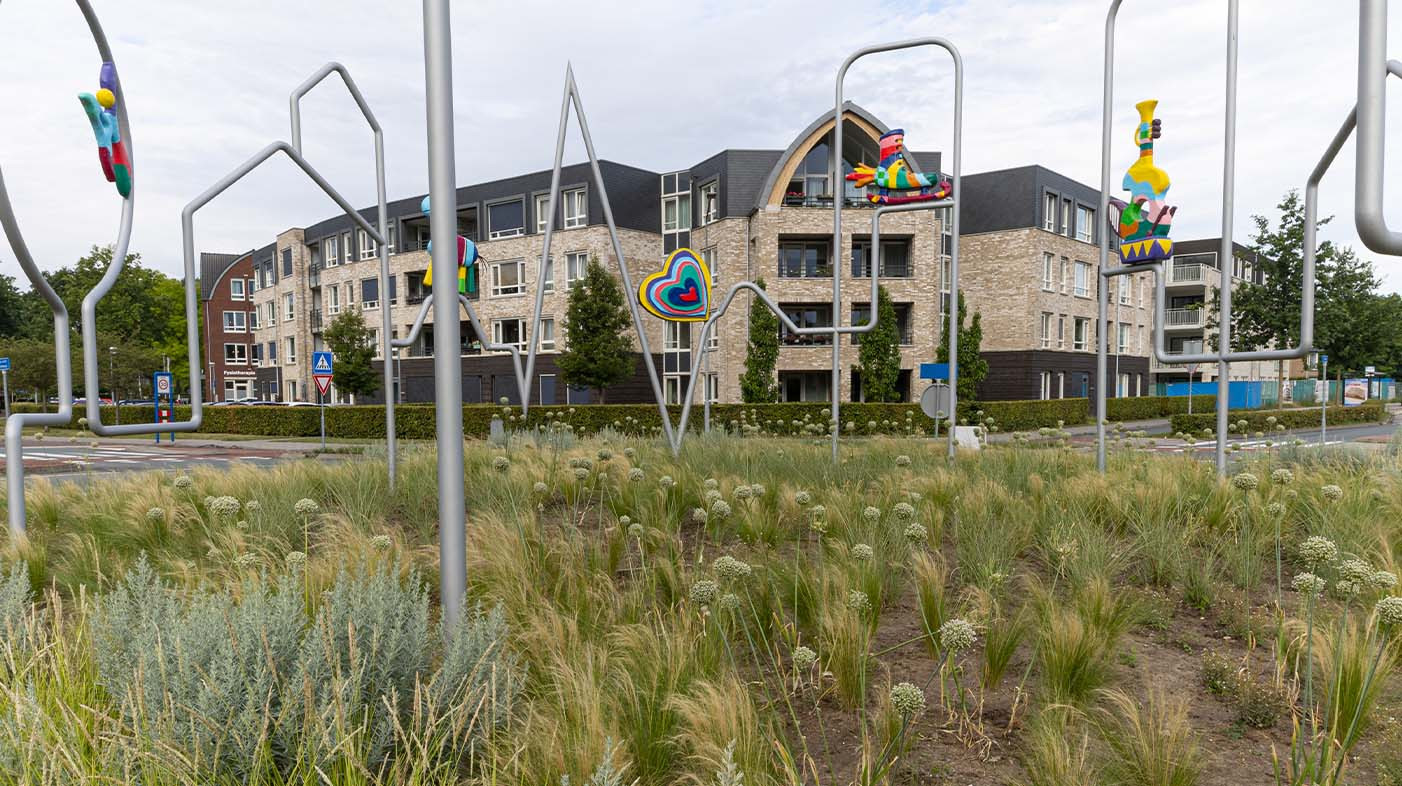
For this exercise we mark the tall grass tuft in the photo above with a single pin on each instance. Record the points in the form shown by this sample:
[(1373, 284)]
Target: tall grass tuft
[(1149, 742)]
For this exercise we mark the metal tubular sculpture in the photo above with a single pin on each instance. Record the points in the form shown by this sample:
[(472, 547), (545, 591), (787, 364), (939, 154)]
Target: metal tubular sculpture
[(1224, 354), (387, 325), (1373, 68)]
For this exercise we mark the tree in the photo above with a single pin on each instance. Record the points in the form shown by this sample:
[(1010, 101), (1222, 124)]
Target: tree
[(32, 369), (758, 384), (879, 358), (146, 306), (972, 367), (352, 344), (11, 308), (598, 351)]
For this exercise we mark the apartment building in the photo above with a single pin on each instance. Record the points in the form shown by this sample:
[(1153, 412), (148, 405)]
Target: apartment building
[(226, 293), (1029, 263)]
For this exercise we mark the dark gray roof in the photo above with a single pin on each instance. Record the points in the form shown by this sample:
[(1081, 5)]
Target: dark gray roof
[(1012, 198), (212, 268)]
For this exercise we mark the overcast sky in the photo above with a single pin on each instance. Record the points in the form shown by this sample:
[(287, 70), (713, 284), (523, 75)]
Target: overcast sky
[(665, 85)]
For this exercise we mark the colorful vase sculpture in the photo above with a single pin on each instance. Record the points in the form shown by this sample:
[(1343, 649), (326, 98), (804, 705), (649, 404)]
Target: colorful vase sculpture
[(467, 262), (1146, 219), (892, 181), (680, 291), (101, 109)]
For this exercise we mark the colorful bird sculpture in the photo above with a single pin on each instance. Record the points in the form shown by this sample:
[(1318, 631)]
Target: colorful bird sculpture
[(102, 114), (1146, 219), (892, 181), (467, 262)]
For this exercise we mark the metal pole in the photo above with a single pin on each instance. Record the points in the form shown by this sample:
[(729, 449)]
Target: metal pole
[(6, 376), (1372, 125), (321, 400), (1225, 258), (1106, 111), (447, 363), (1324, 406)]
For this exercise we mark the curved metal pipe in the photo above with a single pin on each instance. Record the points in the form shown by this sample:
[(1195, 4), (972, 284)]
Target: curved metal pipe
[(1371, 150)]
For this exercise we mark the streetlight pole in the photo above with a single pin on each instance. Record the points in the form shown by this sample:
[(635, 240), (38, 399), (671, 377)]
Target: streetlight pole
[(112, 369)]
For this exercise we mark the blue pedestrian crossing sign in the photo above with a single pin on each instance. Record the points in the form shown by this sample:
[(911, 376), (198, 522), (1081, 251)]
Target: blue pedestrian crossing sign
[(321, 362), (4, 364)]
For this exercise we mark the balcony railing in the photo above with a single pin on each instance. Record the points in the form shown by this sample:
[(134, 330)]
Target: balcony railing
[(1182, 317), (1191, 273), (316, 320)]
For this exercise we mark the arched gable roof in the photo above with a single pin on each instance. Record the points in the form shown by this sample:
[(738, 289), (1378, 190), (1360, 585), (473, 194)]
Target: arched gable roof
[(783, 168)]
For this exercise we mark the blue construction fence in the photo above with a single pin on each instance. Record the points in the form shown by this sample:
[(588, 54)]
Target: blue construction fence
[(1262, 393)]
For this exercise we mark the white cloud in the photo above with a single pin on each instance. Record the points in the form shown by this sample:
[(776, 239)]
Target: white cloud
[(665, 85)]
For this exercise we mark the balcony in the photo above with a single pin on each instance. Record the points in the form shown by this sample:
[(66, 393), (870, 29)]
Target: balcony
[(1183, 318), (1192, 273), (315, 315)]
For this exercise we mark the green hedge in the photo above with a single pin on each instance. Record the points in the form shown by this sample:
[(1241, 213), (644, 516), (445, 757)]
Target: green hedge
[(1151, 407), (1256, 420)]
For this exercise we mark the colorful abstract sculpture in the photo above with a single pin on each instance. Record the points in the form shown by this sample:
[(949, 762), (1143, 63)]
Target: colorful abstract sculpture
[(467, 262), (102, 114), (1145, 221), (893, 182), (681, 291)]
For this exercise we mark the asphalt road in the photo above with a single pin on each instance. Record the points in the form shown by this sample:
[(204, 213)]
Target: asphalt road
[(60, 459)]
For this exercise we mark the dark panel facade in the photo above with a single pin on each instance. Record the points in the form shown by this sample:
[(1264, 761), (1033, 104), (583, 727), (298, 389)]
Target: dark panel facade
[(1018, 375)]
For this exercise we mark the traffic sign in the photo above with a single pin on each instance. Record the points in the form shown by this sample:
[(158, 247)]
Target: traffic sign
[(934, 371), (163, 383), (323, 383), (934, 402), (321, 363), (1324, 359), (4, 364)]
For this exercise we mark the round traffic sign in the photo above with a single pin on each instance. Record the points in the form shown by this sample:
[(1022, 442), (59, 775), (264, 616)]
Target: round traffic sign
[(934, 402), (163, 384)]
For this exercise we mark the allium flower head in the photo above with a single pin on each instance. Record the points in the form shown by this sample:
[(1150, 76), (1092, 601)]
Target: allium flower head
[(636, 475), (904, 511), (501, 463), (757, 490), (225, 506), (720, 509), (907, 699), (156, 514), (1245, 481), (803, 498), (580, 473), (742, 492), (858, 601), (711, 496), (246, 560), (1390, 611), (1347, 588), (704, 592), (636, 530), (1332, 492), (604, 454), (1275, 510), (729, 568), (871, 514), (818, 524), (666, 481), (862, 552), (1318, 550), (902, 461), (699, 515), (1307, 584), (1355, 570), (1282, 477), (915, 532), (630, 453), (804, 658), (183, 482), (540, 487), (729, 602), (295, 559), (381, 543), (712, 483), (306, 507), (253, 506), (957, 635)]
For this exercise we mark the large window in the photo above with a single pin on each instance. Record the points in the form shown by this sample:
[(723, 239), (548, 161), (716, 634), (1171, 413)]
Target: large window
[(369, 293), (1048, 272), (576, 262), (329, 251), (1082, 335), (367, 244), (506, 219), (676, 213), (1082, 279), (895, 259), (1085, 224), (576, 208), (542, 212), (806, 315), (287, 263), (710, 202), (236, 289), (333, 300), (1049, 213), (236, 354), (291, 351), (511, 332), (1046, 330), (861, 312), (235, 322), (549, 275), (547, 334), (508, 278), (289, 307), (676, 337), (1122, 346), (811, 183), (1126, 287), (804, 259)]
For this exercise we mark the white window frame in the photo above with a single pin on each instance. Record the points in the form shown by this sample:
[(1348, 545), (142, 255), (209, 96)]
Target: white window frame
[(1080, 334), (1124, 333), (1066, 208), (330, 251), (1048, 271), (672, 336), (573, 259), (1050, 205), (1082, 288), (367, 245), (517, 289), (1061, 331), (542, 202), (547, 334), (289, 358), (235, 317), (673, 388), (1065, 275), (253, 319), (1126, 291), (708, 255), (576, 208), (236, 360), (1045, 392), (498, 335), (236, 289), (681, 207), (549, 275), (333, 300), (1061, 384), (498, 234), (289, 306), (1046, 329), (712, 381), (710, 202), (1085, 224)]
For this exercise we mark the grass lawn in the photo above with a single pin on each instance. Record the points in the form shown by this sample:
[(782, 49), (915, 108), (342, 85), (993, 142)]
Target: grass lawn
[(748, 613)]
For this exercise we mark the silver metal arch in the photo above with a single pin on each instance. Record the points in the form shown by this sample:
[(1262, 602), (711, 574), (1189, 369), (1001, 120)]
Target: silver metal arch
[(15, 424), (387, 322), (1371, 110)]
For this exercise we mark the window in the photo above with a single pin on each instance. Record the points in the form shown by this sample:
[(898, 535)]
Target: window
[(861, 314), (1082, 279), (1061, 384), (392, 234), (1049, 213), (674, 387), (333, 300), (272, 351), (369, 293), (291, 351), (712, 387), (547, 334), (806, 315), (367, 245), (347, 253), (415, 282), (349, 294), (713, 341), (511, 332), (1061, 332), (1048, 271), (506, 219), (1046, 330), (1126, 286), (235, 322), (287, 263), (253, 319), (576, 208), (804, 259), (1066, 217), (676, 337), (1081, 339), (710, 202), (542, 211), (289, 302), (257, 358), (236, 289), (895, 259), (236, 354), (508, 278), (1065, 275), (575, 264), (549, 275), (676, 213), (329, 248), (708, 255), (1124, 334), (1046, 387), (272, 313), (1085, 224)]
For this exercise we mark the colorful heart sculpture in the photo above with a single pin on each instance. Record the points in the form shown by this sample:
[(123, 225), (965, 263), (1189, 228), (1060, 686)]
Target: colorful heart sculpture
[(681, 291)]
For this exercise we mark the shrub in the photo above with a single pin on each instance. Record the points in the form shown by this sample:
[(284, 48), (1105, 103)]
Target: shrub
[(1218, 674), (1372, 412), (1150, 743)]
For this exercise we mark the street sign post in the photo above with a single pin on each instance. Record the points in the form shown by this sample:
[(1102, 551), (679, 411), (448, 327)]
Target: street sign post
[(1324, 401), (322, 373), (5, 374), (163, 384), (1192, 372)]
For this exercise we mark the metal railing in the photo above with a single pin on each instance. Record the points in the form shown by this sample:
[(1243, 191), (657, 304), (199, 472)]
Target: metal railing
[(1182, 317), (1190, 273)]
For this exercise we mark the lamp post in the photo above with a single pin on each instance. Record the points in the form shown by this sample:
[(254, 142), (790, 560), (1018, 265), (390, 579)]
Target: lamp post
[(112, 369)]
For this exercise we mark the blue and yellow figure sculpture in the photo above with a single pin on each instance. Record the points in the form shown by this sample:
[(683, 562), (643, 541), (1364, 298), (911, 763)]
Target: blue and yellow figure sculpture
[(1145, 221), (101, 109), (467, 262), (892, 182)]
